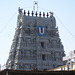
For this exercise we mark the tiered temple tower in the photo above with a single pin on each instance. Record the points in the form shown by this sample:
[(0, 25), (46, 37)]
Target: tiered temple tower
[(36, 43)]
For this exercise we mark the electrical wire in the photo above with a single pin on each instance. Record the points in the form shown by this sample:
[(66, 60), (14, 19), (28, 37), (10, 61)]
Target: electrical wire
[(65, 27), (10, 21), (61, 23), (7, 23), (42, 9)]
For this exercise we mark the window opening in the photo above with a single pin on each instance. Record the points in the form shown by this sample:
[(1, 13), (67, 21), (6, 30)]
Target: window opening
[(42, 44), (43, 57)]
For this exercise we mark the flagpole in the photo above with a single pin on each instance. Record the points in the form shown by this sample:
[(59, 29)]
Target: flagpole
[(35, 6)]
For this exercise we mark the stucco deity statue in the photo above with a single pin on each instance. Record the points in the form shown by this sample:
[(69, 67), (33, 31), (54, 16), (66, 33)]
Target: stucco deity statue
[(20, 10)]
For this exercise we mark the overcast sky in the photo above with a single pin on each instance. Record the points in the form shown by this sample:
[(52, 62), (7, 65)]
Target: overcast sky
[(64, 12)]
